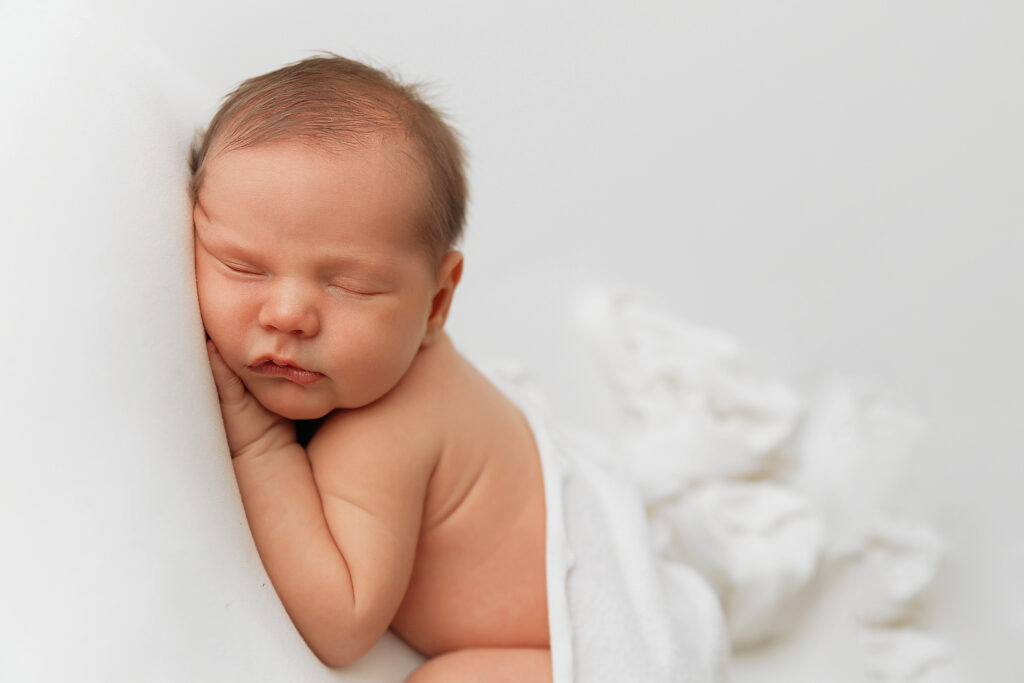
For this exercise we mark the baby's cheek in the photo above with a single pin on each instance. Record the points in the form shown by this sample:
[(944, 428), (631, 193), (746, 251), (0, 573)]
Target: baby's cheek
[(213, 313), (223, 321), (207, 290)]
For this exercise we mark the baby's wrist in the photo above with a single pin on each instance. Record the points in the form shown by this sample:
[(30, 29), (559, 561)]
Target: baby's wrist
[(277, 439)]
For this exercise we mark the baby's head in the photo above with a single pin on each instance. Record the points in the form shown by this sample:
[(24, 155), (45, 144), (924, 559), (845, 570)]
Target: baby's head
[(338, 105), (328, 199)]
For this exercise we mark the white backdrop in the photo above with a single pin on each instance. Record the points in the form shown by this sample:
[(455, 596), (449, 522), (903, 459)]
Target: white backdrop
[(838, 184)]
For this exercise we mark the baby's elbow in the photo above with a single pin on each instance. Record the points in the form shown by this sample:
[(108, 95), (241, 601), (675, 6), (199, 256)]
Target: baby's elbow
[(334, 658), (341, 650), (340, 635)]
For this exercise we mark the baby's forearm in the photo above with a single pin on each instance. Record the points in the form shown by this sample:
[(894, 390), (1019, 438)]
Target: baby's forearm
[(283, 504), (307, 569)]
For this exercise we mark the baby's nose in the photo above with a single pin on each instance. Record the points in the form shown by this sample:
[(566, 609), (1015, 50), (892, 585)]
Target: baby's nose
[(290, 309)]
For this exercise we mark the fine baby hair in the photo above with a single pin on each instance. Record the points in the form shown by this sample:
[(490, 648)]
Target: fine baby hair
[(339, 104)]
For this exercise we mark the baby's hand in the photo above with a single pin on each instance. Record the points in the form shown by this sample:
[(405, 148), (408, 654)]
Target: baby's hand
[(252, 429)]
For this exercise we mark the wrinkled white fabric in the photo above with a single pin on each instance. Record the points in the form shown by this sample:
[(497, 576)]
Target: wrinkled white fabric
[(617, 611), (907, 656), (848, 455), (900, 561), (758, 543), (758, 489), (695, 408)]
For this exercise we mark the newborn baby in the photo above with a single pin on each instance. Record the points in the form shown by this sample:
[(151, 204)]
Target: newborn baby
[(328, 201)]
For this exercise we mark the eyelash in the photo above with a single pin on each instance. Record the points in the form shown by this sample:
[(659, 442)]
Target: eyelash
[(349, 290), (241, 270)]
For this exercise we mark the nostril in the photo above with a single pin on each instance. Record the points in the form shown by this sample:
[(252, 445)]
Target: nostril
[(293, 323), (290, 309)]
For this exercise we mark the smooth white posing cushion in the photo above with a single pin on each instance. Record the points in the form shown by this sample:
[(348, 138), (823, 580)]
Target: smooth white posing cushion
[(126, 555)]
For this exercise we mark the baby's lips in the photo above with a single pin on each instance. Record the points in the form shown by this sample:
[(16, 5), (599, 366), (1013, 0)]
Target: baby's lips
[(276, 368)]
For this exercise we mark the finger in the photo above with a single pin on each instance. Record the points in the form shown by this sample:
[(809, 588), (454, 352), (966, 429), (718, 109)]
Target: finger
[(247, 424), (229, 385)]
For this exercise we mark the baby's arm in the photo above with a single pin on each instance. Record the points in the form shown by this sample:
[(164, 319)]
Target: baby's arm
[(338, 551)]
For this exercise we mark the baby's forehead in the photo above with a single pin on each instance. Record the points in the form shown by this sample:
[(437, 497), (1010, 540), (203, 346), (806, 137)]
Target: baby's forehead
[(372, 163), (313, 190)]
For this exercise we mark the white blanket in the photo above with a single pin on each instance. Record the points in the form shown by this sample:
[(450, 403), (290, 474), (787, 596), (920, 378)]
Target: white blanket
[(765, 493), (617, 611)]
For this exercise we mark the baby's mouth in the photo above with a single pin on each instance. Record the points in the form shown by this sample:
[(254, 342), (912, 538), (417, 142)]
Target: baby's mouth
[(285, 370)]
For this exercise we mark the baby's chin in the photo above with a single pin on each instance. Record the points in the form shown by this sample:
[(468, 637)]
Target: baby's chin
[(294, 409), (303, 414)]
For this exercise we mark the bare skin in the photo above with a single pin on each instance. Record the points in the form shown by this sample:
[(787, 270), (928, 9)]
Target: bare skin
[(419, 503)]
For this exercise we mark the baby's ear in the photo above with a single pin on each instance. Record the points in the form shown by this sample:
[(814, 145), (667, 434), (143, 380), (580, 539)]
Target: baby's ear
[(449, 272)]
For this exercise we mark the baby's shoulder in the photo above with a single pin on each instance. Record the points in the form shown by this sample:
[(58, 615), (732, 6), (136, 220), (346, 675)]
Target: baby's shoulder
[(401, 427), (393, 427)]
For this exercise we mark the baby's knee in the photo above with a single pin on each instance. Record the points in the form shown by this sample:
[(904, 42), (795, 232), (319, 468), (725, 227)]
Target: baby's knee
[(492, 665)]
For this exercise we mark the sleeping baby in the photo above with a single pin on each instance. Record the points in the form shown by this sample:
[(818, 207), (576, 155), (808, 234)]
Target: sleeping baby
[(328, 201)]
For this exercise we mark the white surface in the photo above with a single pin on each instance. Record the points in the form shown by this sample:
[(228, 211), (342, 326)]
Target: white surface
[(126, 555), (836, 184)]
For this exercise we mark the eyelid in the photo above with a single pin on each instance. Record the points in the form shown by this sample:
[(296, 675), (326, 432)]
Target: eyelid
[(351, 288), (240, 268)]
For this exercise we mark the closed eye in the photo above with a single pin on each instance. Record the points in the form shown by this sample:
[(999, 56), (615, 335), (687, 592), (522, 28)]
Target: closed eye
[(240, 268), (352, 289)]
